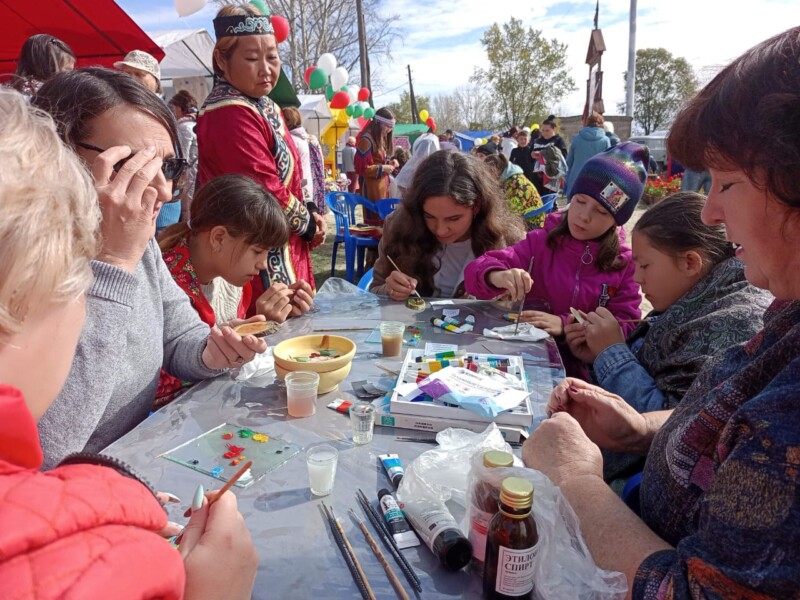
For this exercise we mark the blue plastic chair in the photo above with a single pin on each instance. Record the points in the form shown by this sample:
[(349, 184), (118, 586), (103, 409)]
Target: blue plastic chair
[(548, 197), (386, 206), (354, 246), (365, 281), (543, 209)]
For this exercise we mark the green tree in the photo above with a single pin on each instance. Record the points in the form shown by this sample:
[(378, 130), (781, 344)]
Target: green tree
[(527, 73), (663, 84), (402, 109)]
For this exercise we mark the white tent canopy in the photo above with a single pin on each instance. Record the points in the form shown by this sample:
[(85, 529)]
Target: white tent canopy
[(315, 112), (188, 53)]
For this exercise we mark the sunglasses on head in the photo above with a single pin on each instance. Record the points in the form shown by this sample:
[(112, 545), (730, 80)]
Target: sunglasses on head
[(170, 167)]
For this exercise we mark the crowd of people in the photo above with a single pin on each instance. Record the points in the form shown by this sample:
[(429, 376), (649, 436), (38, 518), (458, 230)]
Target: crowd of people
[(110, 306)]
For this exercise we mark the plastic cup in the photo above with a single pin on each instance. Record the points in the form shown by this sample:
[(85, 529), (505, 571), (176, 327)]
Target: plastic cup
[(301, 393), (392, 337), (362, 419), (321, 461)]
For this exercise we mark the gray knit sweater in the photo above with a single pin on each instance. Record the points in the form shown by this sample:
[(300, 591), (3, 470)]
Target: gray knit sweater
[(135, 324)]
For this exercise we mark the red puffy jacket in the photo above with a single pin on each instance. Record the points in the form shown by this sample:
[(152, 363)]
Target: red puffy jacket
[(78, 531)]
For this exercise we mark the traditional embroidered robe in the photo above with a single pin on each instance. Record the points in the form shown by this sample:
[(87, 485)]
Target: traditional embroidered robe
[(244, 135)]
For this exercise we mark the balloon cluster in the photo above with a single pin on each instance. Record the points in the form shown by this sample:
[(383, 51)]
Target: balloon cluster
[(426, 118), (339, 95)]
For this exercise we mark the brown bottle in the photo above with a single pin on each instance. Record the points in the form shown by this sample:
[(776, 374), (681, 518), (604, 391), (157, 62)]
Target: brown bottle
[(511, 544), (484, 506)]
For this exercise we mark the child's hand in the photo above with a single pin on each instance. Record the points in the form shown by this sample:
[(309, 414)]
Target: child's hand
[(576, 340), (399, 286), (276, 302), (302, 300), (550, 323), (218, 553), (602, 330), (517, 282)]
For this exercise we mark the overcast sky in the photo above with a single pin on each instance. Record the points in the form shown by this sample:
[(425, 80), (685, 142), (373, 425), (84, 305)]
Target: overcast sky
[(441, 38)]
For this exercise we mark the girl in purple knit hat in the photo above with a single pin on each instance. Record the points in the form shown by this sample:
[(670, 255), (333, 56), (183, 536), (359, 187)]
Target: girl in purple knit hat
[(580, 258)]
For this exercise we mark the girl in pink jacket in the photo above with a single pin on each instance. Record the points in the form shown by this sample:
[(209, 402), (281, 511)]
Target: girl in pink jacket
[(579, 259)]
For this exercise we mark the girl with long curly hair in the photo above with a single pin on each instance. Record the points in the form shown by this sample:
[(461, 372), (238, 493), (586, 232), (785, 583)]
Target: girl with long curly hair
[(452, 213)]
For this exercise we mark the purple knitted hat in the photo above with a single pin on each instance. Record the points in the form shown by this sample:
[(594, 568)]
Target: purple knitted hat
[(615, 178)]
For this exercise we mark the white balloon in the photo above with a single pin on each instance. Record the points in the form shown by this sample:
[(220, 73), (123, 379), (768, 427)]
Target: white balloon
[(339, 78), (327, 62), (189, 7), (352, 90), (364, 105)]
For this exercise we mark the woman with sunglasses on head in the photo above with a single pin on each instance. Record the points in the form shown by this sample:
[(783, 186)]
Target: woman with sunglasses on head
[(103, 530), (138, 320), (240, 130)]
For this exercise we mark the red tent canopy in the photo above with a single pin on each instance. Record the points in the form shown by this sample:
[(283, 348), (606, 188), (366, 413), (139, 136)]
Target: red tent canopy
[(98, 31)]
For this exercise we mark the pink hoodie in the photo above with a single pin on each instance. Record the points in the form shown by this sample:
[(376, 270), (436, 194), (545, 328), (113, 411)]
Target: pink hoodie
[(561, 277)]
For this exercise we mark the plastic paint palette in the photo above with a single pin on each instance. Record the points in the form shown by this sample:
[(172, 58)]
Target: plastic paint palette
[(207, 453)]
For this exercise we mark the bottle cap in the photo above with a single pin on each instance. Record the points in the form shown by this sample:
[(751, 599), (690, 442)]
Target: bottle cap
[(516, 493), (498, 458)]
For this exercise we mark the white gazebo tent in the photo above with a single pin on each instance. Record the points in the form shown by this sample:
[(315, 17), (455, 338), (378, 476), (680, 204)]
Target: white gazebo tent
[(187, 61), (315, 112)]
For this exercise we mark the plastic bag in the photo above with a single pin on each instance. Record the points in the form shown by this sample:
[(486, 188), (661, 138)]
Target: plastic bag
[(525, 333), (564, 569)]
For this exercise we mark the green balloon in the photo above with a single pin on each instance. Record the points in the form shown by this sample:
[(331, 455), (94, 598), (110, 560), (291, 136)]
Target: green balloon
[(349, 111), (357, 110), (317, 79), (329, 92), (369, 113)]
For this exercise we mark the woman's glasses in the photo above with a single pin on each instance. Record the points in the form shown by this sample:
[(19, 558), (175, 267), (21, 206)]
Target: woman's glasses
[(170, 167)]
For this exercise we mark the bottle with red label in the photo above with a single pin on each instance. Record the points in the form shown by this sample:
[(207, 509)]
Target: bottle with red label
[(511, 544)]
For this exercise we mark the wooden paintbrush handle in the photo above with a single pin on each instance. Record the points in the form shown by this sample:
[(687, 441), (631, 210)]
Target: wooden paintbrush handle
[(355, 560), (398, 587)]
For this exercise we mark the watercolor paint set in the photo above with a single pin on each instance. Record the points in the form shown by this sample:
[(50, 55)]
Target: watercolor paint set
[(507, 369)]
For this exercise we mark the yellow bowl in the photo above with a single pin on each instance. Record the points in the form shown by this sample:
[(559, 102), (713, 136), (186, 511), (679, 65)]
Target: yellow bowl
[(305, 345), (327, 381)]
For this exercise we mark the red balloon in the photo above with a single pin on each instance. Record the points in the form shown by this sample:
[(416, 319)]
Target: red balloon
[(340, 100), (363, 94), (307, 74), (431, 123), (281, 27)]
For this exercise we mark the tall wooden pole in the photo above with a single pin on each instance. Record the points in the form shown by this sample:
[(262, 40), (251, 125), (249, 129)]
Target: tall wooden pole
[(362, 44), (414, 111)]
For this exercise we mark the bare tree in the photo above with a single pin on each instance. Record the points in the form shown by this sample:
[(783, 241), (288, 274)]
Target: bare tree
[(474, 107), (445, 110), (319, 26)]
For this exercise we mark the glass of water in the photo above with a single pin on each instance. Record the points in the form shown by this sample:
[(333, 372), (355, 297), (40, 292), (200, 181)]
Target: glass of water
[(362, 419), (321, 461)]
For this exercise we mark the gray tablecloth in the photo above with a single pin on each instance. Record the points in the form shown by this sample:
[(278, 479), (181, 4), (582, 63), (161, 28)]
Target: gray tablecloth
[(298, 556)]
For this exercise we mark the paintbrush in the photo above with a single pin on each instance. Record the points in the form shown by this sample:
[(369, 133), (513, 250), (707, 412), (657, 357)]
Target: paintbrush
[(388, 541), (197, 502), (394, 264), (398, 587), (352, 554), (522, 302), (348, 560), (344, 329), (231, 481)]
